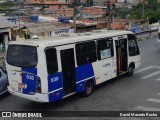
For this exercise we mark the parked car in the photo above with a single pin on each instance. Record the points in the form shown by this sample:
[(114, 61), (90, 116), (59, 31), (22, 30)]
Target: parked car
[(158, 37), (3, 81)]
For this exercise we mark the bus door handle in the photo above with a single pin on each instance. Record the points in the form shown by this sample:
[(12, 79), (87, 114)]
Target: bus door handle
[(106, 74), (114, 61), (114, 58)]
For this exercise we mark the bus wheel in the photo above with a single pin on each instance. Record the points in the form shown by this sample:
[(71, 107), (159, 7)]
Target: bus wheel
[(88, 88), (130, 70)]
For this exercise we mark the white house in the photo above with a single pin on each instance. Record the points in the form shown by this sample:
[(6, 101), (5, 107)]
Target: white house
[(5, 30)]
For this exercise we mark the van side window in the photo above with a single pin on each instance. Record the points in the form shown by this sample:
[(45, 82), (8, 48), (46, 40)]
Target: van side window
[(105, 49), (86, 53), (132, 45), (51, 58)]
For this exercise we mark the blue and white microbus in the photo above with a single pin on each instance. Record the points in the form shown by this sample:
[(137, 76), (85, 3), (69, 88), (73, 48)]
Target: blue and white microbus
[(51, 69)]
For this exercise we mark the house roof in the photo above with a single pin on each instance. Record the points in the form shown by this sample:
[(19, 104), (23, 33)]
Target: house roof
[(54, 3), (41, 29), (5, 23)]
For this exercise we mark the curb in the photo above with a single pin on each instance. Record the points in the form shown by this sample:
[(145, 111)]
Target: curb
[(141, 39)]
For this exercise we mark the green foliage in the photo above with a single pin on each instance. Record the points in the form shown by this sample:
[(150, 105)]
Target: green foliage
[(104, 16), (76, 3), (89, 3), (122, 12), (151, 11), (6, 5)]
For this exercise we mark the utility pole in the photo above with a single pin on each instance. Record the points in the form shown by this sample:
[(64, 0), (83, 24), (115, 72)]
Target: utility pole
[(81, 2), (113, 21), (143, 11), (113, 14), (74, 19), (75, 5), (108, 12), (19, 24)]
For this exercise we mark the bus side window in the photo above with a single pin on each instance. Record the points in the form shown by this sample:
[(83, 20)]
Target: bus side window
[(86, 53), (105, 49), (132, 46), (51, 58)]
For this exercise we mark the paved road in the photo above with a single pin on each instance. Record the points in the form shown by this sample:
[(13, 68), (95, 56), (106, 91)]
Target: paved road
[(137, 93)]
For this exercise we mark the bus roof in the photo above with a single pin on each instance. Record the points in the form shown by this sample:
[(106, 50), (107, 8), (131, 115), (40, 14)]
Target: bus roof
[(72, 38)]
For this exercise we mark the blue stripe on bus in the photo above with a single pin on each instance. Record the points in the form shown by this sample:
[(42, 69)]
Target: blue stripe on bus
[(55, 82), (29, 78), (80, 86), (58, 95), (82, 73)]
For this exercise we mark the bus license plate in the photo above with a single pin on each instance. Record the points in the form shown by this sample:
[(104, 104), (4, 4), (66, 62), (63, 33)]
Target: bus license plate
[(20, 85)]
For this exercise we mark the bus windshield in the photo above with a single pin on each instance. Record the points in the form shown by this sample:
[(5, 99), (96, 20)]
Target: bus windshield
[(22, 56)]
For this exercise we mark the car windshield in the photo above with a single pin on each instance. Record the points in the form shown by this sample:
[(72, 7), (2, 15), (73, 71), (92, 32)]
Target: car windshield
[(22, 56)]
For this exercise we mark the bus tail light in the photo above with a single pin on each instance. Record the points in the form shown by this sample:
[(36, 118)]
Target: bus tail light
[(39, 90)]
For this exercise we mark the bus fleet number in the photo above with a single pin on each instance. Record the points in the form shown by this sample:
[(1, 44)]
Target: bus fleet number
[(55, 79), (29, 77)]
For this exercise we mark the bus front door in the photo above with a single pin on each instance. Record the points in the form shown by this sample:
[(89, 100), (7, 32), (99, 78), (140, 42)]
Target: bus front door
[(68, 71), (122, 56)]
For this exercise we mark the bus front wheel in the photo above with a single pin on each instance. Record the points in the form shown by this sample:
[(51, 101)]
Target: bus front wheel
[(130, 70), (88, 88)]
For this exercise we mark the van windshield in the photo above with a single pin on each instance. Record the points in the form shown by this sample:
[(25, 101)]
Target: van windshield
[(22, 56)]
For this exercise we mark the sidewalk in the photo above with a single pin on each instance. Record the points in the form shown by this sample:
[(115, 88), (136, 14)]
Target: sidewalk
[(146, 35)]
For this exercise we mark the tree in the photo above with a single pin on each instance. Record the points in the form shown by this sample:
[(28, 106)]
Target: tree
[(6, 5), (89, 3), (74, 3), (151, 10)]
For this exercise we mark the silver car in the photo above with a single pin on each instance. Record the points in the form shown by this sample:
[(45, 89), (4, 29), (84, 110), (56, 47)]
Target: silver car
[(3, 81)]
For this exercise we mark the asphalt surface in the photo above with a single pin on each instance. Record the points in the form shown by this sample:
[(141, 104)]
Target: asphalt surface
[(141, 92)]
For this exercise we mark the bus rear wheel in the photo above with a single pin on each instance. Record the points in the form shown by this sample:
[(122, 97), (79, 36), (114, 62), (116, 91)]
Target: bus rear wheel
[(88, 88)]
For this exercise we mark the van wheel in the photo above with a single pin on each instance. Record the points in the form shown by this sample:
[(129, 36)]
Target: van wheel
[(130, 71), (88, 88)]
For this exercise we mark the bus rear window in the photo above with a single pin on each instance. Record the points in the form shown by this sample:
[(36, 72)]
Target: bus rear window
[(22, 56)]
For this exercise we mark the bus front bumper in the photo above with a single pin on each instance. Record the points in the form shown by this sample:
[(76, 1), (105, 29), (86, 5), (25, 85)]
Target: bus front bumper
[(37, 97)]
